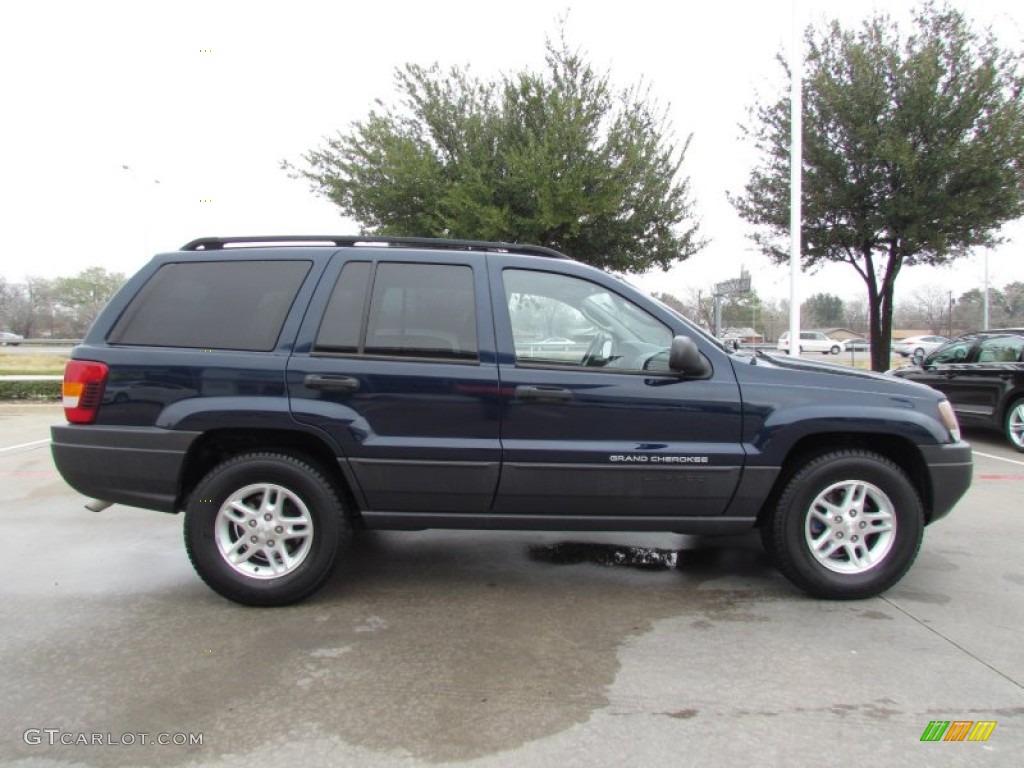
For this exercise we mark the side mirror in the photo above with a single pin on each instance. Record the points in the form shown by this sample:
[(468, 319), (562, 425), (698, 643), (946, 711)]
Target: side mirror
[(685, 358)]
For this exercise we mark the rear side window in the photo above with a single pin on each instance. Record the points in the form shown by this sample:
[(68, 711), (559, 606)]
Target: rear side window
[(212, 304), (342, 323), (414, 310)]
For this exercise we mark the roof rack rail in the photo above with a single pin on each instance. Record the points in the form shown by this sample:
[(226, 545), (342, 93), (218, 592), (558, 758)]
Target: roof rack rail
[(219, 243)]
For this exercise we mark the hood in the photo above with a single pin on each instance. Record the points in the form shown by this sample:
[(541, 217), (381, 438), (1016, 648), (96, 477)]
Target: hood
[(802, 364), (783, 369)]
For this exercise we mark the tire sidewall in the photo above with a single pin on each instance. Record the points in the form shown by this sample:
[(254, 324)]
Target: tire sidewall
[(1006, 423), (795, 505), (299, 478)]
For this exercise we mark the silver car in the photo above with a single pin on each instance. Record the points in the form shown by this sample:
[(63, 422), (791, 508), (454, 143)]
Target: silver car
[(918, 346)]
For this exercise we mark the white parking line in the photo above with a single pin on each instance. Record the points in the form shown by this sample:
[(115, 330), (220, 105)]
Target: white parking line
[(24, 445), (999, 458)]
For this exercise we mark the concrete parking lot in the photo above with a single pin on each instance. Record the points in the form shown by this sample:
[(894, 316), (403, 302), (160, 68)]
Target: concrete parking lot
[(498, 649)]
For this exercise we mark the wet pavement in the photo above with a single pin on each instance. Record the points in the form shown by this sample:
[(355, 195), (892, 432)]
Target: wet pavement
[(498, 649)]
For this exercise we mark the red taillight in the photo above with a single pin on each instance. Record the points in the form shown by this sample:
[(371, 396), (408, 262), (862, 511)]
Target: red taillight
[(82, 390)]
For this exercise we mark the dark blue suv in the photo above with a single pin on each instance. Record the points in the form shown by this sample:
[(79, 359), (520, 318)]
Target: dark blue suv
[(281, 391)]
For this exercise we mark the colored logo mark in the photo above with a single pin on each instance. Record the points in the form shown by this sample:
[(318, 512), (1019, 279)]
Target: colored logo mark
[(958, 730)]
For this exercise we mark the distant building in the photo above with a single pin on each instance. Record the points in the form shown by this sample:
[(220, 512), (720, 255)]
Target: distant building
[(742, 335)]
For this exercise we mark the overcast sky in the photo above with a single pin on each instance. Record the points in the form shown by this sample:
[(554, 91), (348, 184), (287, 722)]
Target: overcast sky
[(208, 97)]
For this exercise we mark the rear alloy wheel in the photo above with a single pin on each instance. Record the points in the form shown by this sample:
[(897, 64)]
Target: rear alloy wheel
[(265, 529), (1014, 425), (835, 349), (847, 526)]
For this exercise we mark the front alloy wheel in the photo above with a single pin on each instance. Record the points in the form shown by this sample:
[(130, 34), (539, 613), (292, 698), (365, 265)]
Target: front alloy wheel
[(847, 525), (850, 527)]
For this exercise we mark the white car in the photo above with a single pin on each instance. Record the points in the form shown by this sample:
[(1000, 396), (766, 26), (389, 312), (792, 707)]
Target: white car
[(918, 346), (10, 339), (813, 341)]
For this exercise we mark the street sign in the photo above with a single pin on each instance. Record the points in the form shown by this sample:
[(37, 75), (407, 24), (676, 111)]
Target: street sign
[(736, 285)]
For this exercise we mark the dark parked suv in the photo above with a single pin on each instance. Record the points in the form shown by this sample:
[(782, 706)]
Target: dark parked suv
[(283, 391), (982, 374)]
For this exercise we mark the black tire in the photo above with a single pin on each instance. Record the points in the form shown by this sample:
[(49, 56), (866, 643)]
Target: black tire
[(1013, 424), (290, 494), (835, 349), (889, 498)]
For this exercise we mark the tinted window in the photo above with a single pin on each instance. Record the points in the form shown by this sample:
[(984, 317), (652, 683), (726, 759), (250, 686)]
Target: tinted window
[(1001, 349), (342, 324), (954, 352), (422, 310), (212, 304)]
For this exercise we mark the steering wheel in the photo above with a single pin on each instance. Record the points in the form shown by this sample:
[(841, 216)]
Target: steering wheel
[(594, 357)]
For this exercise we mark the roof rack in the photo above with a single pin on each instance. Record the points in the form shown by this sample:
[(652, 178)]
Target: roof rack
[(220, 243)]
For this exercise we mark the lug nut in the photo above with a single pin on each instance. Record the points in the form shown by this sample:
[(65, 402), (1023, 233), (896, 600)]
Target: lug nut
[(863, 524), (252, 523), (254, 539), (839, 535), (279, 529), (270, 543), (839, 518), (268, 517)]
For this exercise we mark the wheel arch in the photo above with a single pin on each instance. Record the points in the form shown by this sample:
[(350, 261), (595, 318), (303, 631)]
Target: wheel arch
[(219, 445), (900, 451), (1008, 401)]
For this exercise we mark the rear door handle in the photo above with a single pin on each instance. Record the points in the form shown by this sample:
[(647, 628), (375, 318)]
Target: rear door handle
[(543, 394), (332, 382)]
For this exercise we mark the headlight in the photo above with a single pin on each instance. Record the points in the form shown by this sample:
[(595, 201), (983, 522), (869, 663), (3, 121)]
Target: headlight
[(949, 418)]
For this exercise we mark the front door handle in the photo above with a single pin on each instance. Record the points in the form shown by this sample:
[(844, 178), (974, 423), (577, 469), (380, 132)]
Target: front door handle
[(332, 382), (543, 394)]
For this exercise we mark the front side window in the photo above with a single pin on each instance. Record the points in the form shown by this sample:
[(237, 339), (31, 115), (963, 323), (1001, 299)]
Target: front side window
[(954, 352), (562, 321)]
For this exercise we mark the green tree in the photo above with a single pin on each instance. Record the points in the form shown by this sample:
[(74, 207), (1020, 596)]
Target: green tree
[(823, 310), (558, 158), (80, 298), (741, 310), (1011, 301), (913, 152)]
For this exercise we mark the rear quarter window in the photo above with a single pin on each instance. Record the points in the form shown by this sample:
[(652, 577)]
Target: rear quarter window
[(212, 304)]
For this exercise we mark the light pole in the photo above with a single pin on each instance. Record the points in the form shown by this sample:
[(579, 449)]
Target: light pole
[(984, 319), (796, 101), (145, 189)]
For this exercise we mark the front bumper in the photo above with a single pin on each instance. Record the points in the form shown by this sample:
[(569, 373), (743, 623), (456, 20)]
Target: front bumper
[(950, 468)]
